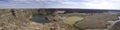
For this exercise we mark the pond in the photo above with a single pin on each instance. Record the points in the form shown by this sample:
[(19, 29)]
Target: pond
[(40, 18)]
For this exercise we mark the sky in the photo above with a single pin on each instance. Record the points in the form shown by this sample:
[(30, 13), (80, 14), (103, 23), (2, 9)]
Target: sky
[(85, 4)]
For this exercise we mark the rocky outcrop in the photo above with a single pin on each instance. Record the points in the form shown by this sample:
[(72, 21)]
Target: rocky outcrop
[(20, 19)]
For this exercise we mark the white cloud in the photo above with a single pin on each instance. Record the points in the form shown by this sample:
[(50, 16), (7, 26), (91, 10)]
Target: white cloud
[(89, 4), (102, 4), (74, 3), (92, 4)]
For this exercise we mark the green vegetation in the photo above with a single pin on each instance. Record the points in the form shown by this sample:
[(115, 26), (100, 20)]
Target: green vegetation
[(71, 20)]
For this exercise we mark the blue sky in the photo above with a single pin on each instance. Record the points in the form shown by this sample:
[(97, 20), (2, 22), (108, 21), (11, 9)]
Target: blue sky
[(87, 4)]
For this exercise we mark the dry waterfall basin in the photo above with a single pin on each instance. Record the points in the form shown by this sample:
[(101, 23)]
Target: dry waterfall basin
[(37, 19)]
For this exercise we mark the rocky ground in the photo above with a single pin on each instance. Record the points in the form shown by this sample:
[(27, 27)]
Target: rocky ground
[(20, 19)]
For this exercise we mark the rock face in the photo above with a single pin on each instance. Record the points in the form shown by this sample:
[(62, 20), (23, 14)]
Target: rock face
[(20, 19), (115, 26)]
